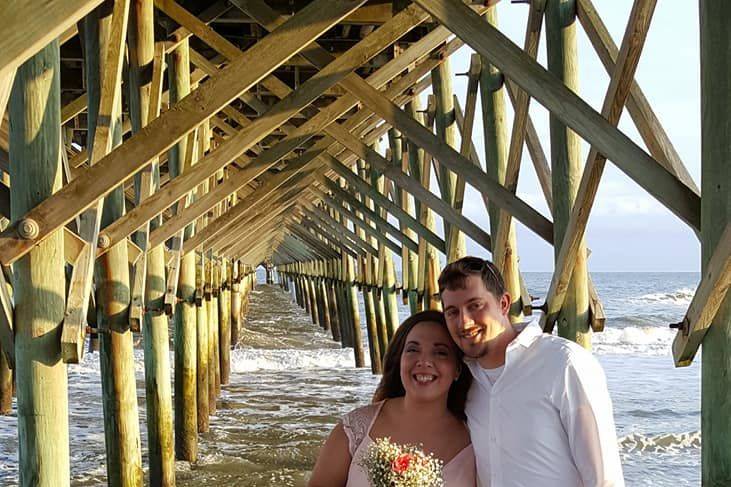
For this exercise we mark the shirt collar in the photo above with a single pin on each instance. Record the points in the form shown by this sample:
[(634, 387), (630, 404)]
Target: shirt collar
[(528, 333)]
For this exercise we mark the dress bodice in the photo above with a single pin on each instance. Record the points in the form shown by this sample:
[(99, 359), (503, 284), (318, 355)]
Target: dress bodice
[(458, 472)]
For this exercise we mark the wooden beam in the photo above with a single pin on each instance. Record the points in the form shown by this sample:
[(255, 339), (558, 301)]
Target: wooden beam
[(77, 302), (260, 60), (250, 135), (452, 159), (361, 186), (651, 130), (340, 198), (706, 302), (28, 27), (614, 100), (571, 109), (356, 146)]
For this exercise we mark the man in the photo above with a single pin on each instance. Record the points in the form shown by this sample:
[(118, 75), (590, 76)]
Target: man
[(539, 412)]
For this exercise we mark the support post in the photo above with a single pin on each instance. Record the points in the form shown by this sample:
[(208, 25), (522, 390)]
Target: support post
[(224, 322), (158, 394), (715, 215), (494, 123), (202, 347), (352, 303), (116, 356), (573, 323), (38, 278)]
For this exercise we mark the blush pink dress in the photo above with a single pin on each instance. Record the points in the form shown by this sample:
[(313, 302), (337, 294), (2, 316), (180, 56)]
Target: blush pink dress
[(458, 472)]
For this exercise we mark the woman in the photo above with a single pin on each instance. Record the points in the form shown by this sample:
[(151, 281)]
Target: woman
[(420, 400)]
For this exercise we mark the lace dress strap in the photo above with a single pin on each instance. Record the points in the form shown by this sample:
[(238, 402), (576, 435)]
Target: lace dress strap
[(357, 424)]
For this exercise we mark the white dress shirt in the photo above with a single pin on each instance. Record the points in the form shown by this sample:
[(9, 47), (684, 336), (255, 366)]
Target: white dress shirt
[(547, 420)]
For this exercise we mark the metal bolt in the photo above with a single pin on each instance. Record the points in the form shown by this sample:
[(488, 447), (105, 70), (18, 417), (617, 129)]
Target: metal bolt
[(103, 242), (28, 229)]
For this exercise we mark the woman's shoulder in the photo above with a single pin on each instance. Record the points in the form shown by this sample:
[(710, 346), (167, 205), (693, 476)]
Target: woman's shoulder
[(357, 423)]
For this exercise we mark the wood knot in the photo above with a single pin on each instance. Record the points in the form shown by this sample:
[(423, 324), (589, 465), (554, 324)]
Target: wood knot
[(28, 229)]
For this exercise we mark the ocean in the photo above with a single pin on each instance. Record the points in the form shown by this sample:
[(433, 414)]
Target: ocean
[(291, 383)]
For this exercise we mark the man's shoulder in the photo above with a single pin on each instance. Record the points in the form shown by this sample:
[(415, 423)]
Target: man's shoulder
[(562, 350)]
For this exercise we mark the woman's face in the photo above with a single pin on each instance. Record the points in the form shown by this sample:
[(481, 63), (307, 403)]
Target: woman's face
[(428, 362)]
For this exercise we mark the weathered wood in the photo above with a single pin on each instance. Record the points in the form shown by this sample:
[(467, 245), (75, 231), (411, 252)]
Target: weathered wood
[(109, 106), (504, 244), (412, 186), (94, 183), (715, 62), (561, 46), (455, 242), (494, 122), (351, 297), (450, 158), (6, 86), (212, 332), (359, 185), (446, 131), (706, 303), (252, 134), (40, 26), (338, 201), (224, 322), (38, 279), (587, 122), (572, 251), (149, 276), (201, 345), (652, 132)]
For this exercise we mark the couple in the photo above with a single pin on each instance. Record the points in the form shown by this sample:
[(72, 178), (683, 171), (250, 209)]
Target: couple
[(501, 404)]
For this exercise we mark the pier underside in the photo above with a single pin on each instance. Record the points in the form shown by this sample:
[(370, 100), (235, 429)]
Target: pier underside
[(154, 153)]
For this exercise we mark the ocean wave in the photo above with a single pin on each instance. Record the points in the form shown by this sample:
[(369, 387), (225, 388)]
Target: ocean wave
[(669, 443), (679, 297), (250, 360), (641, 340)]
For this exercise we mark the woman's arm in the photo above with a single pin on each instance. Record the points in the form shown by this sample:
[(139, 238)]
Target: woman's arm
[(333, 463)]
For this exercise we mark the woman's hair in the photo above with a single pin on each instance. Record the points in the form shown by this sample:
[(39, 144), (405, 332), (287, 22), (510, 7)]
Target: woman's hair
[(391, 385)]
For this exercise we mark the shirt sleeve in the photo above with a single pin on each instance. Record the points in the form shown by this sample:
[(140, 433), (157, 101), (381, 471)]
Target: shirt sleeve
[(586, 413)]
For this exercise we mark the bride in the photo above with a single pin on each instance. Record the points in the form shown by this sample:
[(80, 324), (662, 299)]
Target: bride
[(420, 400)]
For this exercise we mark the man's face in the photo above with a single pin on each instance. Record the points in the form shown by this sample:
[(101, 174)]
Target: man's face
[(475, 316)]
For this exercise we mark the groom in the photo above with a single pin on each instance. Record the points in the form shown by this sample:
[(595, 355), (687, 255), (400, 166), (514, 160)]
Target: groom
[(539, 412)]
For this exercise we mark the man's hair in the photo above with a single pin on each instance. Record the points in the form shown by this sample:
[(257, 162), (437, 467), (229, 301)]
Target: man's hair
[(455, 274)]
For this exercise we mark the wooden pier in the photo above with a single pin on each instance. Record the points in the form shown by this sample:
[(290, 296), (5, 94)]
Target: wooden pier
[(154, 153)]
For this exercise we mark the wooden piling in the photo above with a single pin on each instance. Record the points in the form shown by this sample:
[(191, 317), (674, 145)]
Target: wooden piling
[(352, 303), (236, 303), (184, 317), (446, 129), (573, 322), (715, 214), (202, 346), (116, 355), (495, 129), (212, 327), (158, 394), (6, 386), (374, 347), (38, 277), (428, 264), (322, 289), (215, 326), (335, 325), (224, 323)]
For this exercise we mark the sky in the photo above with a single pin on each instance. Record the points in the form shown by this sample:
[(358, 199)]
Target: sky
[(628, 229)]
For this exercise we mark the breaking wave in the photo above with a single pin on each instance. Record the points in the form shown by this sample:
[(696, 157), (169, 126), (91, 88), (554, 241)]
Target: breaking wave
[(249, 360), (669, 443)]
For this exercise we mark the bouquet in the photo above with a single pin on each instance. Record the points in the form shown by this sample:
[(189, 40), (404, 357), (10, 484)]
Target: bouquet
[(388, 464)]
